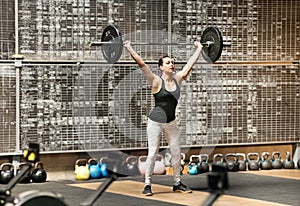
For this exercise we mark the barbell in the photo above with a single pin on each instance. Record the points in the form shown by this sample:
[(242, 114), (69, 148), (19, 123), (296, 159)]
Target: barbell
[(112, 44)]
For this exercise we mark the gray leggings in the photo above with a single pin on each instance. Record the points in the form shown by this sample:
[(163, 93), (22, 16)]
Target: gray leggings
[(172, 134)]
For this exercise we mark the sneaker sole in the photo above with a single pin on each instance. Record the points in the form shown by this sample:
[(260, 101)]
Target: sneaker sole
[(181, 191), (148, 194)]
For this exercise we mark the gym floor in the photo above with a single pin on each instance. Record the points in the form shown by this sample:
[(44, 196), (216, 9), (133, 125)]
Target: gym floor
[(264, 187)]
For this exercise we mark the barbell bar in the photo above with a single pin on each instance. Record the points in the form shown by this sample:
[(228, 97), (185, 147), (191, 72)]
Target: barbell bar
[(208, 43), (112, 44)]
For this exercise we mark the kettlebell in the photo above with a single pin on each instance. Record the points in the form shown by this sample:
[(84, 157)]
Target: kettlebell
[(142, 164), (193, 165), (266, 163), (103, 167), (276, 162), (253, 164), (7, 173), (218, 159), (168, 158), (81, 171), (132, 166), (159, 166), (242, 165), (27, 177), (182, 160), (168, 164), (94, 168), (39, 174), (184, 167), (288, 163), (203, 166), (231, 162), (110, 165)]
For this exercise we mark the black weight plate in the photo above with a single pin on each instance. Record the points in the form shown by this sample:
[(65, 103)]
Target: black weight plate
[(112, 52), (214, 51)]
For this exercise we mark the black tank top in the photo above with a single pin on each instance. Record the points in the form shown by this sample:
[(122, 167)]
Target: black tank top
[(165, 104)]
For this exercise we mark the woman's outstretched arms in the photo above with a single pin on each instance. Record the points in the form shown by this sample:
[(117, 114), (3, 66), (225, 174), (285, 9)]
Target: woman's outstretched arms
[(152, 78), (190, 63)]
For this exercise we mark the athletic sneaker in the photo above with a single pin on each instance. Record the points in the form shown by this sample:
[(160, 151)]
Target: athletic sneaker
[(179, 187), (147, 190)]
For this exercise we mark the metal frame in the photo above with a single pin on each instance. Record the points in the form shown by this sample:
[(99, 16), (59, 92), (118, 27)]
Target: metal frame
[(17, 77)]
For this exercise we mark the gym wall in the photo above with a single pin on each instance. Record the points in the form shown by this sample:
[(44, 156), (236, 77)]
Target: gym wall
[(67, 98)]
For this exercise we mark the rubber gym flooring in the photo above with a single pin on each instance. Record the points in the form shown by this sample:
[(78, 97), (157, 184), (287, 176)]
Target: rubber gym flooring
[(263, 188)]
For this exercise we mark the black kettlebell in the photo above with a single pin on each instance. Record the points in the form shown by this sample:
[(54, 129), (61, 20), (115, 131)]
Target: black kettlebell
[(242, 165), (27, 177), (39, 174), (287, 162), (231, 162), (218, 159), (266, 163), (253, 163), (203, 163), (276, 162), (7, 173), (132, 166), (182, 164)]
